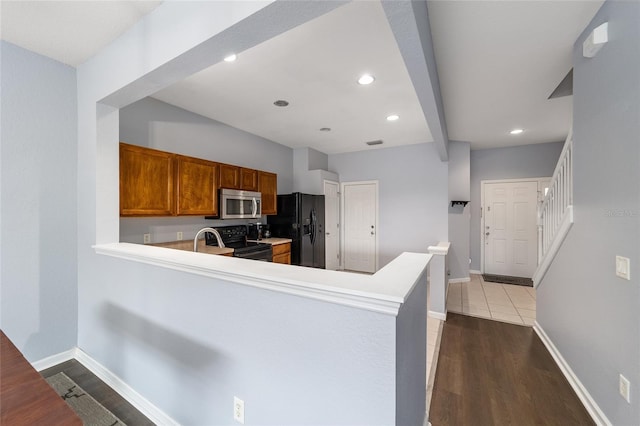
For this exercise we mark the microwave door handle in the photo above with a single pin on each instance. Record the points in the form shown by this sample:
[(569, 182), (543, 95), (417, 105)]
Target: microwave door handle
[(254, 206)]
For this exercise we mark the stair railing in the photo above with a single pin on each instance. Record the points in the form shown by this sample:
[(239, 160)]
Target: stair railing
[(555, 214)]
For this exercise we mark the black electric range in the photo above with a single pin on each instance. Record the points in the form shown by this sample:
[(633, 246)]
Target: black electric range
[(235, 237)]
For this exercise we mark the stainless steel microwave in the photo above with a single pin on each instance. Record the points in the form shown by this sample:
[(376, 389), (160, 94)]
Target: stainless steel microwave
[(236, 204)]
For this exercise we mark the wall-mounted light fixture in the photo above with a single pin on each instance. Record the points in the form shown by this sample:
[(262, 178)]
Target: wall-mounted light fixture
[(598, 37)]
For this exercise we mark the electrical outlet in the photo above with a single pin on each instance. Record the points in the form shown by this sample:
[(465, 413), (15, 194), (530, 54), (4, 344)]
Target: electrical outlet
[(147, 238), (179, 235), (625, 388), (238, 410)]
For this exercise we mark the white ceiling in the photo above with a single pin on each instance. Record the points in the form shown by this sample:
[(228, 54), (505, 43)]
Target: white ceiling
[(498, 61), (315, 67), (68, 31)]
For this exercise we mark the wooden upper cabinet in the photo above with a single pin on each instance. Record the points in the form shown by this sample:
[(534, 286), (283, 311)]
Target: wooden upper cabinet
[(196, 186), (248, 179), (268, 186), (158, 183), (229, 176), (146, 182)]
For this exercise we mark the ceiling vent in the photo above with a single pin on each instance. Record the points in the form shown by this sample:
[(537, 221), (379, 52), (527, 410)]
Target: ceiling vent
[(565, 88), (372, 143)]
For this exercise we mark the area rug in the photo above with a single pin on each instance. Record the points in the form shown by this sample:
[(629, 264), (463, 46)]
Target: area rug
[(504, 279), (88, 409)]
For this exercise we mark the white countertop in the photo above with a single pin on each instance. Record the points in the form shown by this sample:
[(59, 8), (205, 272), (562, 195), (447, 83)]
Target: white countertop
[(385, 291)]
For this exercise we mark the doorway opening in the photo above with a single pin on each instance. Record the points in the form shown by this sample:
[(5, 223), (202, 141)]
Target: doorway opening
[(509, 226)]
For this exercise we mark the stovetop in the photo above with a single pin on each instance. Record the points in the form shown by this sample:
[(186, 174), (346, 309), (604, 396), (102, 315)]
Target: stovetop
[(247, 247), (235, 237)]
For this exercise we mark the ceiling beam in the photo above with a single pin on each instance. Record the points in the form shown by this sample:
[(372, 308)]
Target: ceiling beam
[(269, 21), (409, 21)]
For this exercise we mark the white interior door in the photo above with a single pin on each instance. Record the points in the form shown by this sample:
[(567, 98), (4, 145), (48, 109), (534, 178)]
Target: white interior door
[(332, 224), (510, 230), (360, 209)]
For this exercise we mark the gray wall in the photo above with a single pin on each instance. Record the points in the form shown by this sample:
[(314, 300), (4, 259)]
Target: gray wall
[(459, 217), (412, 194), (591, 315), (527, 161), (310, 171), (38, 192), (190, 343), (158, 125), (187, 342), (411, 351)]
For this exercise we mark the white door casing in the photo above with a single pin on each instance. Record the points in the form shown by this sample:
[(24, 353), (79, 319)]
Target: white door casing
[(510, 228), (360, 226), (332, 224)]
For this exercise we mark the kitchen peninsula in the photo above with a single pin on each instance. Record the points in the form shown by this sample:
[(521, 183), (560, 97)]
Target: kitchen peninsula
[(366, 332)]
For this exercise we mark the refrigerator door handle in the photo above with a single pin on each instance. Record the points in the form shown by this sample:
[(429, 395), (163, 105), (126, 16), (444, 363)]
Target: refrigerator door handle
[(313, 226)]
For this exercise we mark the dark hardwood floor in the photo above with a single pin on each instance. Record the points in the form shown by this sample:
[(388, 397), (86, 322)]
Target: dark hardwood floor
[(493, 373), (99, 390)]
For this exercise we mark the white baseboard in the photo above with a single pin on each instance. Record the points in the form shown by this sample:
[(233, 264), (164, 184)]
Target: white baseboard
[(592, 407), (438, 315), (460, 280), (127, 392), (473, 271), (52, 360)]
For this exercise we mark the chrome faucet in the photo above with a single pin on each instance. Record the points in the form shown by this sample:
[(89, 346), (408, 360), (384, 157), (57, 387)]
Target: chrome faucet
[(213, 231)]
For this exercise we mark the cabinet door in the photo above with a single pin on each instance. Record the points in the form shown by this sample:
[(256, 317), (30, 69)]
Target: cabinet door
[(268, 186), (196, 186), (282, 258), (282, 253), (229, 176), (146, 182), (248, 179)]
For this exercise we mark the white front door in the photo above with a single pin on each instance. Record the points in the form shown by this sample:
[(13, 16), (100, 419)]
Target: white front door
[(510, 228), (332, 224), (360, 207)]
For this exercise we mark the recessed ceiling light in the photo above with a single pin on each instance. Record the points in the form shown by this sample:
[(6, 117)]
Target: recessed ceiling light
[(325, 129), (366, 79), (516, 131), (393, 117), (281, 103), (231, 58)]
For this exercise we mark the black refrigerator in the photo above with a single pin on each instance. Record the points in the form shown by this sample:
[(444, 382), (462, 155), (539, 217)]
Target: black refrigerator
[(301, 218)]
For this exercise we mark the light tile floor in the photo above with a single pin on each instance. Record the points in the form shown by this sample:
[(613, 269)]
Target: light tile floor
[(501, 302), (434, 331)]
